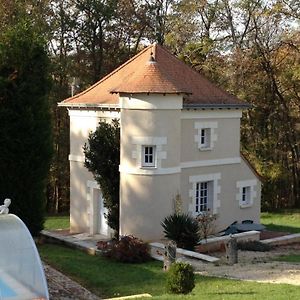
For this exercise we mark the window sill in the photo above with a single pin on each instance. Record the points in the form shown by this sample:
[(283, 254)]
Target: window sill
[(205, 148), (148, 167), (246, 205)]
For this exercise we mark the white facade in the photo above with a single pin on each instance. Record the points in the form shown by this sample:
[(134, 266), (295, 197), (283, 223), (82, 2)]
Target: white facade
[(166, 150)]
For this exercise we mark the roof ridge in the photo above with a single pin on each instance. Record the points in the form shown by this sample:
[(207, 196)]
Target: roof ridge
[(198, 73), (161, 71), (110, 74)]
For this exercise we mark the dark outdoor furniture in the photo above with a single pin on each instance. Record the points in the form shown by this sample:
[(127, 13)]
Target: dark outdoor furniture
[(246, 225), (249, 226)]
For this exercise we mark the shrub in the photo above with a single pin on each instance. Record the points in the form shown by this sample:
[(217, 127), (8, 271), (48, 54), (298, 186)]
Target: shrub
[(182, 229), (180, 278), (102, 158), (206, 222), (254, 246), (128, 249)]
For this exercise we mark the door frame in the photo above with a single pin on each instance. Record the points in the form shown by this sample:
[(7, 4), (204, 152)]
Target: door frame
[(93, 207)]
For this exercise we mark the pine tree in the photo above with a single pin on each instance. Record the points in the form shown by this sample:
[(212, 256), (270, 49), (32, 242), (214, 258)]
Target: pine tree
[(25, 126)]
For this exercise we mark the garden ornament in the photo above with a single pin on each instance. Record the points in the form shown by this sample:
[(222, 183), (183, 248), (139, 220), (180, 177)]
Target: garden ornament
[(4, 208)]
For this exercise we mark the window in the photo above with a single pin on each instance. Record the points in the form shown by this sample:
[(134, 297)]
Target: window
[(149, 156), (247, 192), (204, 193), (206, 135), (246, 195), (202, 196), (205, 138)]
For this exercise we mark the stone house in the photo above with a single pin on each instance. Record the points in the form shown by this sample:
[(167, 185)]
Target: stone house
[(180, 134)]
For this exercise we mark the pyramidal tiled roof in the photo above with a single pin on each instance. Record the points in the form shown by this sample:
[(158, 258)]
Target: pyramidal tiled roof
[(154, 70)]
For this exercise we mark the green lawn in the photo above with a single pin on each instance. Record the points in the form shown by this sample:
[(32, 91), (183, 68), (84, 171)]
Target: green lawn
[(112, 279), (57, 222), (286, 220), (292, 258)]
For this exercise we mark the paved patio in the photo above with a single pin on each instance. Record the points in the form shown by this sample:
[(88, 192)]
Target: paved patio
[(81, 241)]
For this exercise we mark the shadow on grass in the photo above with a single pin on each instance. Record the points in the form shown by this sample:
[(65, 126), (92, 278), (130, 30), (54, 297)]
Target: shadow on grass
[(105, 277)]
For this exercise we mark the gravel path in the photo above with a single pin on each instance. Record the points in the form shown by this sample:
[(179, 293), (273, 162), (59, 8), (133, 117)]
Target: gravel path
[(256, 266), (62, 287)]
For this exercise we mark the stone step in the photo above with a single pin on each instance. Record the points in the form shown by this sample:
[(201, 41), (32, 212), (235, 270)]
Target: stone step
[(283, 240), (189, 253)]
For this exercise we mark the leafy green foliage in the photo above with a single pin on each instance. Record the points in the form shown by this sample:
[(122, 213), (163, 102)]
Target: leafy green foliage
[(180, 278), (25, 124), (182, 229), (102, 158), (127, 249)]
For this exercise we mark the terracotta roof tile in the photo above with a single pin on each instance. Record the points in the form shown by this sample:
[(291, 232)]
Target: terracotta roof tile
[(154, 70)]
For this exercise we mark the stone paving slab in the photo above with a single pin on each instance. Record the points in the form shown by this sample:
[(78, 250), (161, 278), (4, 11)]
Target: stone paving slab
[(62, 287), (283, 240)]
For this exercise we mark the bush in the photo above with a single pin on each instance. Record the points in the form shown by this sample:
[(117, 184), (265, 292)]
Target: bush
[(254, 246), (182, 229), (180, 278), (206, 224), (102, 158), (128, 249)]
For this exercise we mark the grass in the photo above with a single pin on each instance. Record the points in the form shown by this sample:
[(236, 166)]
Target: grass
[(292, 258), (111, 279), (57, 222), (284, 220)]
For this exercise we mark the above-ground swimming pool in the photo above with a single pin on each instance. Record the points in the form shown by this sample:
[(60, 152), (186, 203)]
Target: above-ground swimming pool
[(6, 291), (21, 272)]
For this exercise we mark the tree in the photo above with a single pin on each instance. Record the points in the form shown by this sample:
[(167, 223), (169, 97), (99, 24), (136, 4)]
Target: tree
[(25, 123), (102, 158)]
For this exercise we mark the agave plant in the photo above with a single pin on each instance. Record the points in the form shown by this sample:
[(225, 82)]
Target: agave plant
[(182, 229)]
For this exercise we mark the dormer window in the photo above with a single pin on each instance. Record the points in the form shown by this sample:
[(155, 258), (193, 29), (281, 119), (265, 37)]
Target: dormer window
[(148, 156)]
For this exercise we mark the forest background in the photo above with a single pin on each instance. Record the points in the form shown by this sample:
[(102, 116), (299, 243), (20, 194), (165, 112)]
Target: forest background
[(250, 48)]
